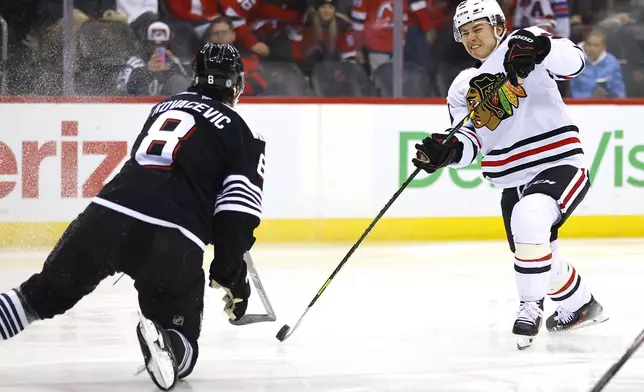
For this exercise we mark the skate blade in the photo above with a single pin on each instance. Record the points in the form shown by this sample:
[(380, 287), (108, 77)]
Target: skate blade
[(138, 371), (524, 342), (160, 365)]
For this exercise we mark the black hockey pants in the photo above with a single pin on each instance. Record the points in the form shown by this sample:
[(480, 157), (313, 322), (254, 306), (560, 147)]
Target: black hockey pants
[(167, 269)]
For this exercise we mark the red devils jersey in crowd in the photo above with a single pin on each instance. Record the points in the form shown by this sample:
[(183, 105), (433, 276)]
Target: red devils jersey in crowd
[(255, 83), (373, 21), (255, 20), (191, 10), (344, 45)]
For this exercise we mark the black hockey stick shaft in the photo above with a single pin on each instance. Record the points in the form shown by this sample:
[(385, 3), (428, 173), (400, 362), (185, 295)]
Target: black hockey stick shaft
[(500, 82), (610, 373), (364, 235), (452, 132)]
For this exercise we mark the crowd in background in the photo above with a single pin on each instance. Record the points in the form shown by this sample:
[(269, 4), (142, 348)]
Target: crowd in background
[(299, 47)]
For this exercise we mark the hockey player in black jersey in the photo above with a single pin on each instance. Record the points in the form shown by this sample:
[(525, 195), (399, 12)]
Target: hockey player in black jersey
[(194, 177)]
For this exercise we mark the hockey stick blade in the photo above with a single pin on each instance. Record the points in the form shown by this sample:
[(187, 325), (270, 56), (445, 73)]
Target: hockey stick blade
[(256, 318), (285, 332), (252, 319), (610, 373)]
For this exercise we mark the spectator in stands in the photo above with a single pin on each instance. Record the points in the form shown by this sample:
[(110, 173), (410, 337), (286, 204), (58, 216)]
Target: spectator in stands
[(327, 36), (583, 15), (142, 22), (449, 56), (587, 12), (602, 77), (528, 12), (269, 28), (101, 9), (373, 23), (31, 23), (624, 13), (162, 72), (624, 32), (132, 9), (508, 7), (222, 32), (94, 8), (198, 11)]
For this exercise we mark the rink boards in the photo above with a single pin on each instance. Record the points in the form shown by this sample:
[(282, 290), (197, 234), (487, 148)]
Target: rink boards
[(330, 168)]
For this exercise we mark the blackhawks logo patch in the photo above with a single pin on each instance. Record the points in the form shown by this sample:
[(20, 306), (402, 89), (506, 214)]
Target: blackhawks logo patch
[(500, 107)]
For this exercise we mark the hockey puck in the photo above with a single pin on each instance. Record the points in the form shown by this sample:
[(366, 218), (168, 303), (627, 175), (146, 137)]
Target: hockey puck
[(281, 335)]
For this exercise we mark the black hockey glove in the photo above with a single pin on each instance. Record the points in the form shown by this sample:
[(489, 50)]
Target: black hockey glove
[(431, 155), (228, 271), (525, 50), (232, 237)]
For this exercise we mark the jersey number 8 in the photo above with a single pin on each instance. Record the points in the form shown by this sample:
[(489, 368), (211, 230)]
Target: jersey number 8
[(159, 148)]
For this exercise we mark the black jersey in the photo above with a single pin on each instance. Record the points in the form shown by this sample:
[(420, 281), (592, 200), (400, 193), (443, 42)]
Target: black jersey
[(194, 159)]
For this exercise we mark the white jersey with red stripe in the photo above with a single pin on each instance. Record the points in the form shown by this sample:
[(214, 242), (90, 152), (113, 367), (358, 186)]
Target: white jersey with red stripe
[(523, 130)]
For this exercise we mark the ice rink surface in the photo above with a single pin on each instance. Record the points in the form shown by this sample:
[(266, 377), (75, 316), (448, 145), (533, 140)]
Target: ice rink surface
[(398, 317)]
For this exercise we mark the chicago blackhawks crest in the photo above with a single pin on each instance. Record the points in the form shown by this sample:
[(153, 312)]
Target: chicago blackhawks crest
[(499, 107)]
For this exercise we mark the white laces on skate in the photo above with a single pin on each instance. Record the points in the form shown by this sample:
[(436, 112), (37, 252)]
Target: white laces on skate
[(563, 316), (529, 311)]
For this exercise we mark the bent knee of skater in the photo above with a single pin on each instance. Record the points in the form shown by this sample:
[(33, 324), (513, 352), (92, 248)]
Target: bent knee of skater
[(532, 219)]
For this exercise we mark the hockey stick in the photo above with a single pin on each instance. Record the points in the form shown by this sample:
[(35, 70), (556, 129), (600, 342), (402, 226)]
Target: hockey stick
[(256, 318), (610, 373), (285, 332)]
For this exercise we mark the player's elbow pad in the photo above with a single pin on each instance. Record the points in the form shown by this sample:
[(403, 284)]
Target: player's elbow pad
[(566, 60)]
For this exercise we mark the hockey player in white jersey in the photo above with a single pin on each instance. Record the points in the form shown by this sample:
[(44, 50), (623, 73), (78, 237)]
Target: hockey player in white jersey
[(530, 148)]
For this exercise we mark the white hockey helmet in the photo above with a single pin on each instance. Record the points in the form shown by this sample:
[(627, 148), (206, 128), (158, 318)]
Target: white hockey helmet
[(471, 10)]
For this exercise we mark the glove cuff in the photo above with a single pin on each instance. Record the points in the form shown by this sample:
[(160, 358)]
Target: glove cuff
[(215, 285), (455, 145), (239, 289), (545, 46), (458, 152)]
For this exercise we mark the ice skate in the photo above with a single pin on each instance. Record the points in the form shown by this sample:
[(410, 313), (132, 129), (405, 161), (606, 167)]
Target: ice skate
[(157, 353), (528, 322), (564, 320)]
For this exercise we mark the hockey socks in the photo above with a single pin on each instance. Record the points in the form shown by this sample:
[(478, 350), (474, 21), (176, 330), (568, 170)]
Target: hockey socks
[(14, 315), (532, 264), (566, 286)]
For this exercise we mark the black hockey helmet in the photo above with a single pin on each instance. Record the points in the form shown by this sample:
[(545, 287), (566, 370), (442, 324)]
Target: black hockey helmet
[(219, 67)]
